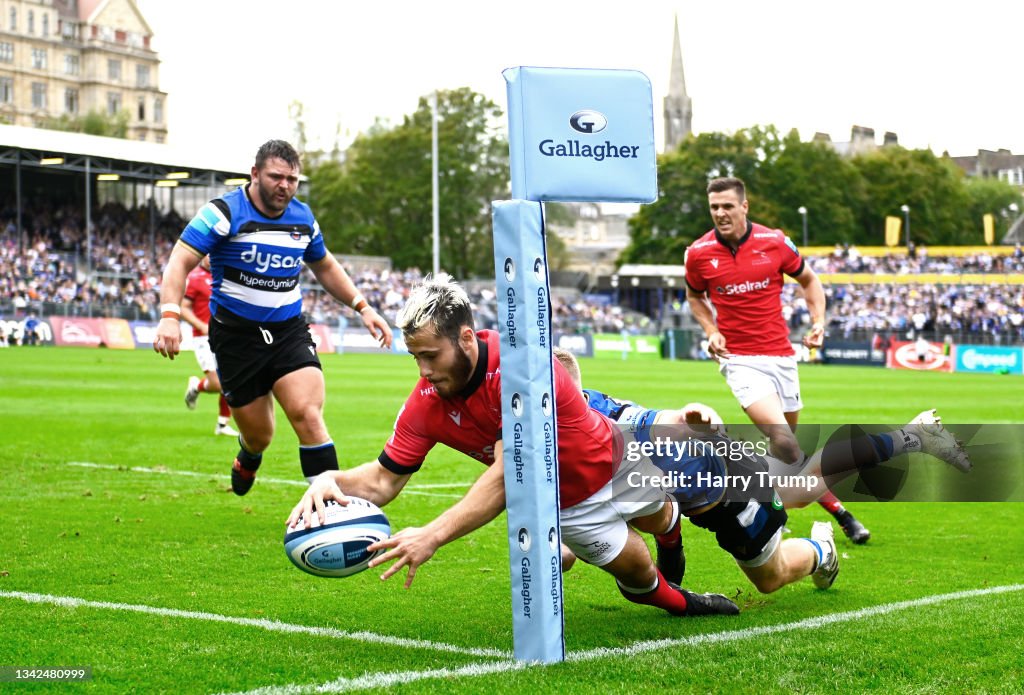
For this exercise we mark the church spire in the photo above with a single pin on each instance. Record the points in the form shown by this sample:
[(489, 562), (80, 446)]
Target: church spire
[(678, 106)]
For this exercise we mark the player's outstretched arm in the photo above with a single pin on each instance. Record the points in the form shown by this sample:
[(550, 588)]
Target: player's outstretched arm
[(411, 547), (371, 481)]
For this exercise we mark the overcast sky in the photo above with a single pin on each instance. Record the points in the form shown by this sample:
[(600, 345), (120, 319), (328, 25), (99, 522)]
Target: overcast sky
[(939, 75)]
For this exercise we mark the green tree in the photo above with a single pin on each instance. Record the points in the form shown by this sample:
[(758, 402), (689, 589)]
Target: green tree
[(661, 231), (92, 123), (990, 196), (814, 176), (932, 187), (378, 200)]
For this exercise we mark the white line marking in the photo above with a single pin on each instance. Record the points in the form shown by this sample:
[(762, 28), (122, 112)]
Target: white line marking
[(409, 489), (263, 623), (384, 680)]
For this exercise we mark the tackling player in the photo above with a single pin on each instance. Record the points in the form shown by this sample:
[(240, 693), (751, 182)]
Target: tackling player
[(195, 309), (737, 268), (258, 237), (457, 402), (748, 522)]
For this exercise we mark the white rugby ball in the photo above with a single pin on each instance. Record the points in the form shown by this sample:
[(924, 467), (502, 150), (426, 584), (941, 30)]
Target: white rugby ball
[(337, 548)]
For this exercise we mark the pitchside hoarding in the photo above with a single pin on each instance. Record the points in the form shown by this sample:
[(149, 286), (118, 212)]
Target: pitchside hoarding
[(839, 352), (989, 358)]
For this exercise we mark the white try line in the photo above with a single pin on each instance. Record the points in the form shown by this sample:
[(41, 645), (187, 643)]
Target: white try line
[(385, 680), (263, 623), (408, 489)]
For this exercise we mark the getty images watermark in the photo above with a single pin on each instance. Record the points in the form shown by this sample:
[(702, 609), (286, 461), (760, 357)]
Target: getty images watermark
[(660, 448)]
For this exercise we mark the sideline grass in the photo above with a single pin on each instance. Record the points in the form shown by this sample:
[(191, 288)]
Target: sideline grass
[(187, 543)]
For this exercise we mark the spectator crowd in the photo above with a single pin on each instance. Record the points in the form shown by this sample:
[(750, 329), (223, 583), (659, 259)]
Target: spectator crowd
[(54, 270)]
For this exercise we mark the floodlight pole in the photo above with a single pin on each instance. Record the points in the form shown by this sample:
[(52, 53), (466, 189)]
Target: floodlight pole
[(803, 213), (906, 222), (436, 228)]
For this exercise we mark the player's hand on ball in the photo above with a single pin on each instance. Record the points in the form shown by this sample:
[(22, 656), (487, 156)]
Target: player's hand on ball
[(410, 547), (324, 487)]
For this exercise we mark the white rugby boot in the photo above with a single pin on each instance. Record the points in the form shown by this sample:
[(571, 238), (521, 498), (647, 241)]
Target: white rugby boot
[(192, 392), (828, 566), (938, 441)]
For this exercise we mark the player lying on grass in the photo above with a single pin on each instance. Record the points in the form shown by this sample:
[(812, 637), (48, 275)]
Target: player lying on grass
[(457, 402), (747, 516)]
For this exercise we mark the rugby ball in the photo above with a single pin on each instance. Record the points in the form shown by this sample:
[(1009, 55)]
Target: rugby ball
[(337, 548)]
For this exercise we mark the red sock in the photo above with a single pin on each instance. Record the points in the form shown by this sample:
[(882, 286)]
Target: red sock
[(225, 409), (830, 502), (671, 538), (203, 384), (663, 596)]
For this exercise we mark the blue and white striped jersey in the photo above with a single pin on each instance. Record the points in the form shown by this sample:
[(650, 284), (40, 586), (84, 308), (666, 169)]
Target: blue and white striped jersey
[(689, 460), (255, 260)]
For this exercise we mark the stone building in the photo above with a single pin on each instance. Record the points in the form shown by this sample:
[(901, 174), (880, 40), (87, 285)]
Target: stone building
[(62, 59)]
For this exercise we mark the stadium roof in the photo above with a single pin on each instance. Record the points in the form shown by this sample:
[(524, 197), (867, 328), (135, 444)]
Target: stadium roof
[(130, 158)]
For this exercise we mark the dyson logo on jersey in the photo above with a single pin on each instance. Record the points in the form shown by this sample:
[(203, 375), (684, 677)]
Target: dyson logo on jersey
[(744, 287), (265, 261)]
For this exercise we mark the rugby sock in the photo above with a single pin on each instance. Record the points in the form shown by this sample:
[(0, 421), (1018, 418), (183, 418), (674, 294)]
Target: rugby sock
[(225, 409), (672, 537), (203, 384), (821, 553), (831, 504), (246, 459), (243, 470), (318, 458), (661, 595)]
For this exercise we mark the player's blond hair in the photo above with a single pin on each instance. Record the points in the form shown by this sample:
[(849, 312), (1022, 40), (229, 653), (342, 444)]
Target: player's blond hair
[(438, 303), (570, 363)]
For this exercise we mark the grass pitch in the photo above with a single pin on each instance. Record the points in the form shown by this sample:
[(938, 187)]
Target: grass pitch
[(124, 550)]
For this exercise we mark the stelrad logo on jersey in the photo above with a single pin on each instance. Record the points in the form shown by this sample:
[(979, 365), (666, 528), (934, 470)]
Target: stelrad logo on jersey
[(744, 287)]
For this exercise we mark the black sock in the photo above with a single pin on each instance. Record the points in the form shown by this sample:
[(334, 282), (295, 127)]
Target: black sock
[(247, 460), (317, 459)]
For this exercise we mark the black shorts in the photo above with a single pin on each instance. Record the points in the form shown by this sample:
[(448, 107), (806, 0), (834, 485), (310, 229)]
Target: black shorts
[(744, 522), (252, 356)]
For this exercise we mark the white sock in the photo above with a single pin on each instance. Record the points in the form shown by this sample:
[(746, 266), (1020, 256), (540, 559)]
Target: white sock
[(632, 590), (904, 442)]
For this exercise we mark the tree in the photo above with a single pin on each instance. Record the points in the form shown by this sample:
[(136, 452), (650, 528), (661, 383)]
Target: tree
[(378, 200), (92, 123), (933, 188), (661, 231), (812, 175), (990, 196)]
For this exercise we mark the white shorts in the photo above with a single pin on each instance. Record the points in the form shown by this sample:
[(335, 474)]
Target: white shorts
[(752, 377), (204, 355), (595, 529)]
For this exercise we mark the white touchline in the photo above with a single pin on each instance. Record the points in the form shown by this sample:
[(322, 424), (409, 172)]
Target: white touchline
[(408, 489), (384, 680), (263, 623)]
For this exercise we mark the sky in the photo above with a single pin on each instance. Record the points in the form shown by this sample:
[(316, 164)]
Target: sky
[(944, 76)]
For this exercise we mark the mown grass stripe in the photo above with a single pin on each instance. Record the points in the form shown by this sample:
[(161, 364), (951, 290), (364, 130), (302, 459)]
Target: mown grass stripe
[(385, 679), (408, 489), (262, 623)]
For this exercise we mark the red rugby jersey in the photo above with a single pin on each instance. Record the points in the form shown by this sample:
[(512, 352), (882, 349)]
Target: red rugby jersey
[(198, 286), (588, 450), (745, 287)]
